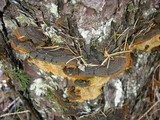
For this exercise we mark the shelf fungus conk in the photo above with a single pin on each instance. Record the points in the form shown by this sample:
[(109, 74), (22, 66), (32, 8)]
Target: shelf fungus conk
[(31, 33), (87, 83), (148, 41)]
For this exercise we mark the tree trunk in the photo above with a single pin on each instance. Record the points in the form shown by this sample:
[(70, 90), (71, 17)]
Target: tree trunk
[(86, 59)]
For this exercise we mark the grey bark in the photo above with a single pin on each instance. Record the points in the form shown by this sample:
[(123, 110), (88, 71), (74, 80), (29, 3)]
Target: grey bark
[(90, 25)]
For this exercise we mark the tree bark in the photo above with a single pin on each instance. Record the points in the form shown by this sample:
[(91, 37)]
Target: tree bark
[(86, 59)]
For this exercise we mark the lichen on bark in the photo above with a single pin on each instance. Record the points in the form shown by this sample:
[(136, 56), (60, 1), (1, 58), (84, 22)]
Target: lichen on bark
[(70, 73)]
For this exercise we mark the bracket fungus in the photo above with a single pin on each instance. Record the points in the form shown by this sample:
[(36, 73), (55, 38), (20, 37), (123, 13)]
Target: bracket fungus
[(31, 33), (148, 41), (87, 83)]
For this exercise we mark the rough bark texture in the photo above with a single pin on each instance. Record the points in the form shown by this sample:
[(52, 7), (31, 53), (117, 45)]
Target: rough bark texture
[(86, 59)]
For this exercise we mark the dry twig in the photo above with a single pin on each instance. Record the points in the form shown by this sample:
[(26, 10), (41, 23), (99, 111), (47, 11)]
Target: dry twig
[(108, 56), (9, 114), (154, 105), (13, 102)]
